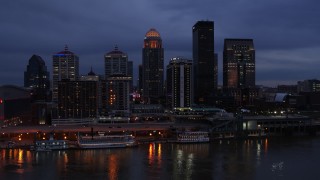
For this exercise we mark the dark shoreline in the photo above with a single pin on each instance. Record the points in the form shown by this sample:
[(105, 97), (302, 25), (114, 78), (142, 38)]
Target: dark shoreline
[(26, 146)]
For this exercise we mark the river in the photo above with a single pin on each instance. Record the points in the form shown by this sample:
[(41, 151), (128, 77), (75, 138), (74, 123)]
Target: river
[(276, 158)]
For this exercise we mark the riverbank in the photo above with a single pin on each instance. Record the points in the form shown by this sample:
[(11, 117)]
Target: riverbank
[(27, 143)]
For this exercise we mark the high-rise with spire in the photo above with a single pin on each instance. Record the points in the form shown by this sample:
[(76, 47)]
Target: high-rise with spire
[(65, 66), (152, 67), (118, 78), (116, 62)]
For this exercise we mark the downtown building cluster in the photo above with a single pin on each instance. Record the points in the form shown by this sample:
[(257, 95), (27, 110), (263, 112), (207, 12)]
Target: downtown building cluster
[(72, 98)]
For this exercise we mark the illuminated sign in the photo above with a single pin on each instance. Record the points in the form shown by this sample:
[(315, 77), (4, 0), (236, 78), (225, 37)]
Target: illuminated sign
[(1, 101)]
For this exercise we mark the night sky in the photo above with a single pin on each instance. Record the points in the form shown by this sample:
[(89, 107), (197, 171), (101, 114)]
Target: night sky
[(286, 33)]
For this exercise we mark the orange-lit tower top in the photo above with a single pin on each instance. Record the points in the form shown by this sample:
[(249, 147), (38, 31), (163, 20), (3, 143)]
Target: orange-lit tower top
[(152, 39), (152, 67)]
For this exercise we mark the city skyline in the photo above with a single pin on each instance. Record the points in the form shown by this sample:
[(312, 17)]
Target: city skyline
[(286, 41)]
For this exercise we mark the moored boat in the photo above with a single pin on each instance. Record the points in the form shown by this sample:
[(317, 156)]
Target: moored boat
[(50, 144), (102, 141), (193, 137)]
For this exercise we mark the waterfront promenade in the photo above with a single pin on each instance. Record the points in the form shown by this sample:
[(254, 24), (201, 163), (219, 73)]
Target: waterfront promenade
[(23, 136), (248, 126), (101, 127)]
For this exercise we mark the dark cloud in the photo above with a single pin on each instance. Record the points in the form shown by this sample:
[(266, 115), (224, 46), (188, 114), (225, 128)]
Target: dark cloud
[(285, 32)]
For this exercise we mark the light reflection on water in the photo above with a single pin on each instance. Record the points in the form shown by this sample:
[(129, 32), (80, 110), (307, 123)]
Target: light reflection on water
[(250, 159), (113, 165)]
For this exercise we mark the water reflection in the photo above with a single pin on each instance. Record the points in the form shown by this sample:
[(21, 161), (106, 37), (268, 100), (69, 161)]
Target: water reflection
[(15, 161), (266, 145), (159, 152), (151, 153), (258, 151), (113, 167), (251, 159), (155, 155), (186, 158)]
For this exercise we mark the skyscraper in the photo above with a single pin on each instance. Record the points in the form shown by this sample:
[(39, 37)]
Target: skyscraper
[(140, 79), (152, 65), (117, 92), (179, 83), (37, 77), (204, 62), (118, 82), (238, 63), (65, 66), (79, 99), (116, 62), (239, 70), (130, 74)]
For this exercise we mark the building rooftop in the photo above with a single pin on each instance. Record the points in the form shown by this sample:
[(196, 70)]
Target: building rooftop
[(91, 73), (66, 51), (115, 51), (37, 59), (152, 33)]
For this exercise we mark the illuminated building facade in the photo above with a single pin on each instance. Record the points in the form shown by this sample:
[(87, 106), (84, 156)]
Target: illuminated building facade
[(116, 62), (140, 79), (238, 63), (78, 99), (179, 83), (204, 62), (36, 77), (130, 74), (15, 106), (117, 94), (311, 85), (239, 70), (65, 66), (152, 67)]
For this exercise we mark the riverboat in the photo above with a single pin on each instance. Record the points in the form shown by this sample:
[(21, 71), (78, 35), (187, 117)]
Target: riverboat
[(102, 141), (49, 145), (193, 137)]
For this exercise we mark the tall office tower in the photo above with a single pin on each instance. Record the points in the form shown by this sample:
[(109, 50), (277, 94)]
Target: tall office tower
[(91, 76), (179, 83), (239, 70), (116, 62), (130, 74), (80, 98), (37, 77), (238, 63), (215, 71), (65, 66), (117, 92), (140, 79), (204, 62), (152, 67)]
